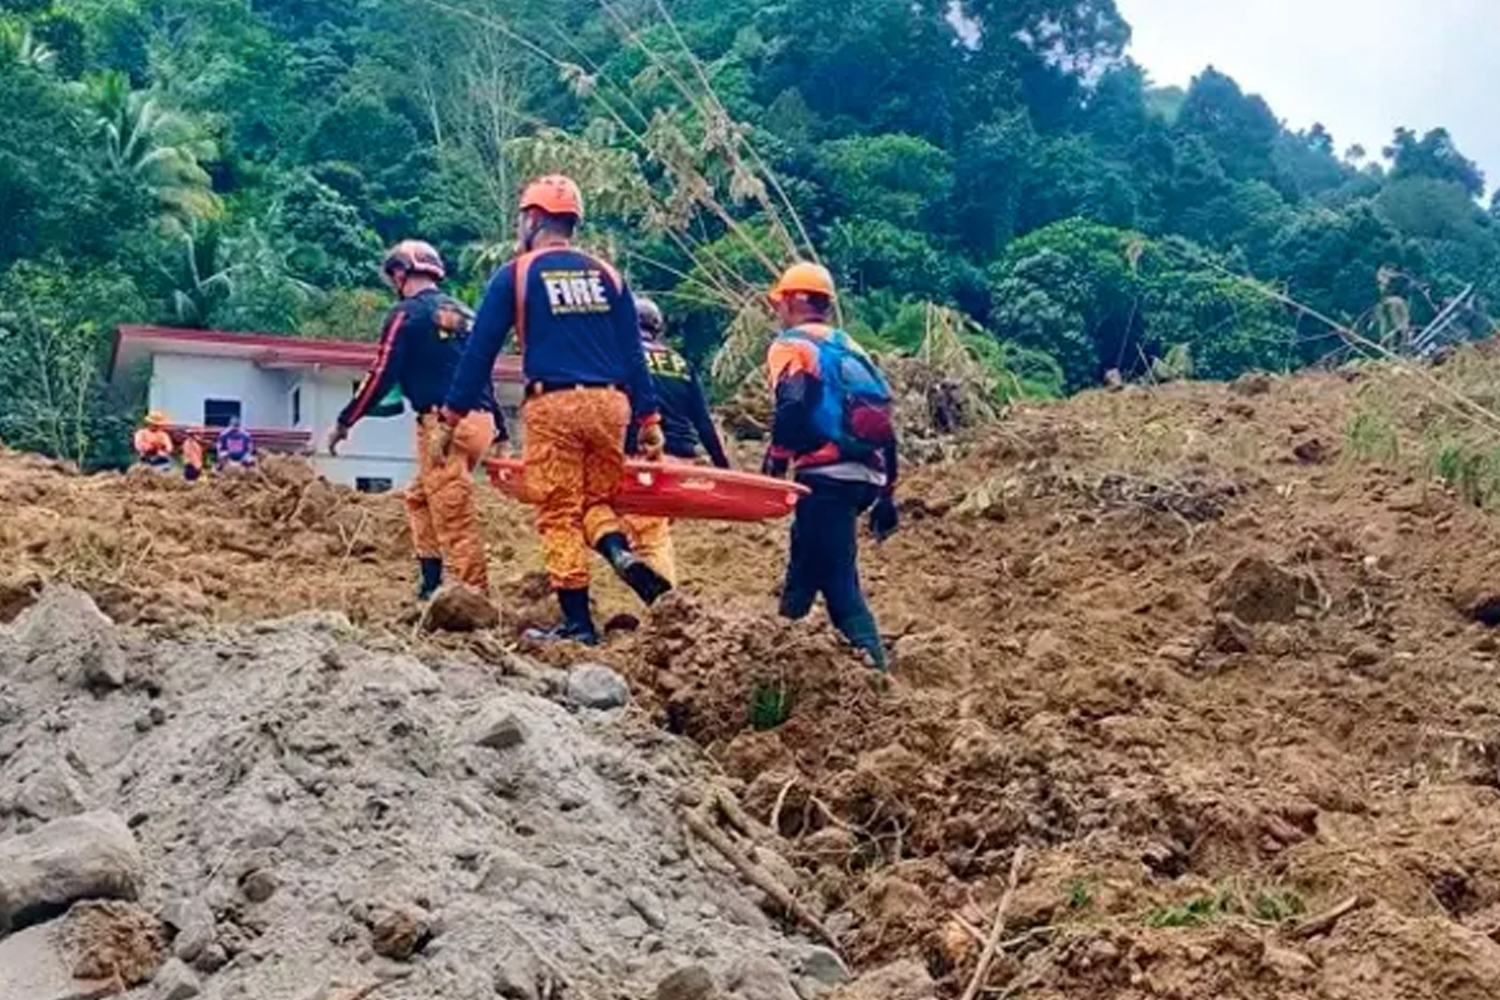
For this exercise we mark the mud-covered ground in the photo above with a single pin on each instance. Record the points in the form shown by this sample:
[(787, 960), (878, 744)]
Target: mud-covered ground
[(1207, 654)]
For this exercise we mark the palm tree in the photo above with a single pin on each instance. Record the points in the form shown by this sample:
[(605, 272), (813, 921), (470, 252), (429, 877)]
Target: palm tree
[(19, 47), (154, 147)]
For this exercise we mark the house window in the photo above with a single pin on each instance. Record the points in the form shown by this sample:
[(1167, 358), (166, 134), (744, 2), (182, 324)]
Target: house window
[(372, 485), (219, 412), (297, 407)]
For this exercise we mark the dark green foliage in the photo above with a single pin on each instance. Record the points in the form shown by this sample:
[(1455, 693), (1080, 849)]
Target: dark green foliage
[(241, 165)]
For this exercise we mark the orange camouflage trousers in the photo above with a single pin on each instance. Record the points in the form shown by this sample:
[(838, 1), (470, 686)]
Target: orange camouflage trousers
[(440, 501), (575, 455)]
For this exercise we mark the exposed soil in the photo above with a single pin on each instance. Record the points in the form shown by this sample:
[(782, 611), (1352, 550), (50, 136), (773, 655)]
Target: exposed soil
[(1213, 673)]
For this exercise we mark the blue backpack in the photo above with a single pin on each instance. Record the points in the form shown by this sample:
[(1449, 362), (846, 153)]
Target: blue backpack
[(855, 411)]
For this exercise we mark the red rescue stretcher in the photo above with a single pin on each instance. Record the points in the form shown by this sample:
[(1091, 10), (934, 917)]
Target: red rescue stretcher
[(677, 490)]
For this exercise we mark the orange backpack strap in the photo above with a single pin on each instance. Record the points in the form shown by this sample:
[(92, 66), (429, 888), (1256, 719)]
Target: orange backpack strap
[(522, 278)]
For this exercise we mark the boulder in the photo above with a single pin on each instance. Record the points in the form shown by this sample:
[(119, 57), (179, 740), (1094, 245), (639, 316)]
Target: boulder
[(760, 978), (65, 634), (80, 857), (517, 974), (593, 686), (905, 980), (36, 964), (824, 966), (460, 609), (1256, 590), (497, 727), (176, 981), (691, 983), (196, 931)]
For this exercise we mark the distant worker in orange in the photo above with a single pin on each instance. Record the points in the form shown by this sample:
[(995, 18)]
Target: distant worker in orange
[(153, 442), (586, 383), (423, 338), (685, 422), (833, 428), (192, 456)]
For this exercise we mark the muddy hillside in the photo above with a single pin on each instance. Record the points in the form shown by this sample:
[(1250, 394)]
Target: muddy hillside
[(1195, 696)]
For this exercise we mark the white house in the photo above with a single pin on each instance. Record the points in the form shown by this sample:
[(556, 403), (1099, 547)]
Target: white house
[(286, 392)]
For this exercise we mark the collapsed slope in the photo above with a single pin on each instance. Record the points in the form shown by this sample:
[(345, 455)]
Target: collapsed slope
[(1209, 653)]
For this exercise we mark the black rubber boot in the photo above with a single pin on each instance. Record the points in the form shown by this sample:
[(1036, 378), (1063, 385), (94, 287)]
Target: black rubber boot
[(432, 577), (648, 584), (577, 623)]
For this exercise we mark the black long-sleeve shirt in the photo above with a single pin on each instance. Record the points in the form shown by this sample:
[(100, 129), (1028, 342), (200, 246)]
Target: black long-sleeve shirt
[(685, 420), (420, 347)]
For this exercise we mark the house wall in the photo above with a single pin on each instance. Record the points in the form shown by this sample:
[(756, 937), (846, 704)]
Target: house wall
[(180, 383), (377, 448)]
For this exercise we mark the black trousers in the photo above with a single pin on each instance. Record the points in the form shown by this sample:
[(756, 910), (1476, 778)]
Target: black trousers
[(824, 560)]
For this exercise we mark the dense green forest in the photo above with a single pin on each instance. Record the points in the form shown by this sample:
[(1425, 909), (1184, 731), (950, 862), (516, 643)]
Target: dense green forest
[(239, 164)]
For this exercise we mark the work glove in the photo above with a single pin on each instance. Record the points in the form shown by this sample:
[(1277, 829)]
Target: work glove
[(884, 519), (336, 437), (652, 441)]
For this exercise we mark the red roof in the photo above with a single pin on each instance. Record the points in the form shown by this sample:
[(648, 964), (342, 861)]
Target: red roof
[(136, 343)]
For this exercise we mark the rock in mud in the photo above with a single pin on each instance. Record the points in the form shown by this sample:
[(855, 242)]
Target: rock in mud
[(1232, 635), (400, 932), (65, 634), (51, 792), (497, 727), (37, 965), (518, 975), (906, 980), (194, 923), (1256, 590), (461, 609), (1251, 384), (692, 983), (80, 857), (597, 687), (259, 885), (175, 981), (824, 966), (760, 978)]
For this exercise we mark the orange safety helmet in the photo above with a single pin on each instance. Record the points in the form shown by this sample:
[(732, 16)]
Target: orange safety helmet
[(806, 277), (555, 195), (156, 418), (415, 257)]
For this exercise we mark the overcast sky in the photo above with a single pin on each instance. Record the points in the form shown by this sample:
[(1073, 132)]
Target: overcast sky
[(1361, 67)]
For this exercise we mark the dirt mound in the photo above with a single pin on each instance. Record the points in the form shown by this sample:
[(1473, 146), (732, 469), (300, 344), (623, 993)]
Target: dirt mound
[(312, 810), (1220, 659)]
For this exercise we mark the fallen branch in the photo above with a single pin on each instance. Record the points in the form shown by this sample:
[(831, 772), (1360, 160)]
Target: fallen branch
[(756, 875), (781, 801), (997, 927), (1324, 922)]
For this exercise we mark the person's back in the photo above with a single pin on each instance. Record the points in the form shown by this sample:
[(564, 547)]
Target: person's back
[(424, 337), (685, 419), (586, 383), (424, 340), (568, 302), (832, 425)]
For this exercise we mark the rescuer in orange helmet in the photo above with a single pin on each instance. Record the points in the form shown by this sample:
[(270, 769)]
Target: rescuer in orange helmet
[(833, 427), (586, 384)]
